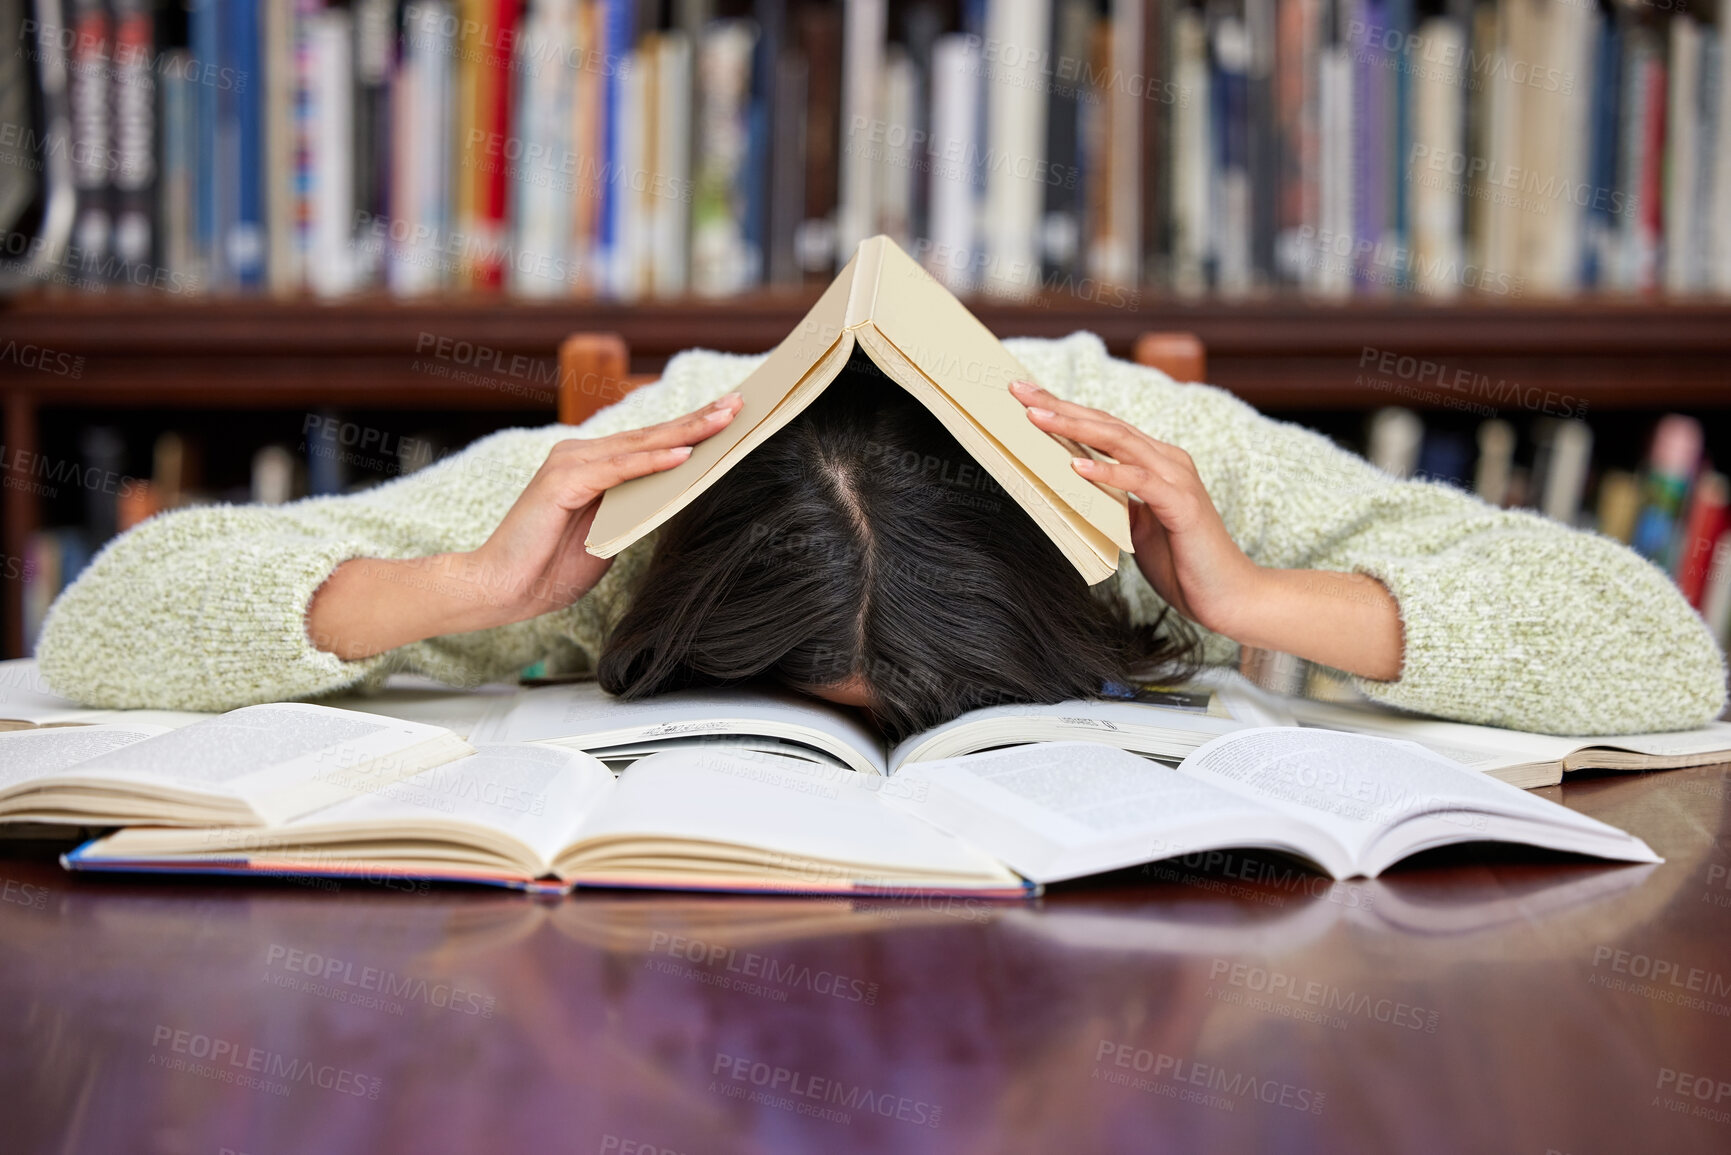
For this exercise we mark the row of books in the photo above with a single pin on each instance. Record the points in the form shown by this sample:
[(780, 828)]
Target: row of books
[(1671, 508), (1088, 147)]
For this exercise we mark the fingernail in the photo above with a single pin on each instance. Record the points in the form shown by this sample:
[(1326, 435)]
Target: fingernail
[(1042, 413), (682, 450), (1082, 463), (1022, 386)]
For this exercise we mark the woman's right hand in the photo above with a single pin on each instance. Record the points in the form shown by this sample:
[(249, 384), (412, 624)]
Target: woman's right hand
[(533, 563)]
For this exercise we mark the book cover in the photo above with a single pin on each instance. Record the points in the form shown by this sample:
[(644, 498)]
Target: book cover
[(930, 345)]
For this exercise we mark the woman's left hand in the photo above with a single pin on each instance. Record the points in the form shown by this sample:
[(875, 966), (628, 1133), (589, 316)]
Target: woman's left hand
[(1182, 546), (1349, 621)]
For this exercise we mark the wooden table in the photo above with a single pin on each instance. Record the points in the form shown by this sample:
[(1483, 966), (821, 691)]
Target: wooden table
[(1472, 1001)]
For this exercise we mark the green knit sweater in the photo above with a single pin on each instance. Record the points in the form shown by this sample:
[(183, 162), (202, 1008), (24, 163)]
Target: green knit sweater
[(1510, 619)]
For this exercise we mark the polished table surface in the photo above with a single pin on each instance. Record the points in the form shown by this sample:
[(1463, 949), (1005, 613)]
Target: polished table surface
[(1472, 1000)]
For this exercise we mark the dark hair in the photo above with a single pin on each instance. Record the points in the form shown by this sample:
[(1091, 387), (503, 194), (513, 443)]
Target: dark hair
[(862, 540)]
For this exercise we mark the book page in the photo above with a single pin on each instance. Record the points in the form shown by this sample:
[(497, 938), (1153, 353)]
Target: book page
[(586, 716), (283, 760), (1142, 727), (26, 755), (1065, 809), (416, 699), (823, 827), (1480, 747), (1356, 786), (1709, 739), (538, 795)]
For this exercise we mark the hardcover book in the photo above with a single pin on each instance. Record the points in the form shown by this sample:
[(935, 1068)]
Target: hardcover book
[(926, 341)]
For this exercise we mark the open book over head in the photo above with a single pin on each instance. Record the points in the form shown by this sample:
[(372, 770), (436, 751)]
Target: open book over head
[(926, 341)]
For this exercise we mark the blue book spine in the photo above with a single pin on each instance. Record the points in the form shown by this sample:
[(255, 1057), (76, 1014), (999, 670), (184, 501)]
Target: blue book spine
[(617, 33), (203, 32), (244, 244), (1603, 206)]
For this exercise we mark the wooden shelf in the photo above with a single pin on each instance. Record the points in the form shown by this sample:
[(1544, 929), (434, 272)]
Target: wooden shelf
[(1275, 353), (1278, 353)]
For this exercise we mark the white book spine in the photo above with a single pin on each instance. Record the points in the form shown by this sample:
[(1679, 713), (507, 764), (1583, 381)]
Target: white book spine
[(955, 104), (1564, 119), (1719, 218), (1707, 149), (629, 247), (861, 121), (540, 179), (1329, 267), (1566, 478), (670, 189), (1434, 175), (896, 171), (331, 258), (1191, 153), (1682, 82), (1015, 147)]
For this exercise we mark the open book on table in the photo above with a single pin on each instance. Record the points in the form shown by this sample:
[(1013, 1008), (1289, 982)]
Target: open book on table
[(1352, 804), (925, 340), (988, 824), (582, 716), (1515, 756), (540, 817), (248, 767)]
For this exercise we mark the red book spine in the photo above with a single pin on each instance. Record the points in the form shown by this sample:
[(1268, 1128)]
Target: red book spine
[(496, 117), (1701, 530)]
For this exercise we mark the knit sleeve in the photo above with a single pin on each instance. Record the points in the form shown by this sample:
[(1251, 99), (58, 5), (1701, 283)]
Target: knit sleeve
[(1510, 619), (205, 609)]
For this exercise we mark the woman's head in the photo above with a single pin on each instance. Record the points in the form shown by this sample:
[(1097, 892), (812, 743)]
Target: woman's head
[(861, 554)]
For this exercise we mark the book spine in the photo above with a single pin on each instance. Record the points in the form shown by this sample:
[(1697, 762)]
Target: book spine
[(134, 116), (281, 86), (788, 169), (618, 33), (862, 66), (175, 187), (331, 121), (670, 185), (1061, 223), (820, 33), (1015, 147), (949, 255), (1606, 206), (1681, 127), (89, 65), (375, 50), (244, 242), (1702, 529)]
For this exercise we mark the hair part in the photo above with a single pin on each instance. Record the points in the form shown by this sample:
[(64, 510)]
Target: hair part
[(861, 541)]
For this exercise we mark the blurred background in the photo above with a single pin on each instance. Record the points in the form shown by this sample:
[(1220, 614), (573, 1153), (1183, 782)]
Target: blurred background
[(265, 249)]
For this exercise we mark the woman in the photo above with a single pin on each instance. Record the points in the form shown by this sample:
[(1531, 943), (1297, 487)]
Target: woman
[(858, 556)]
